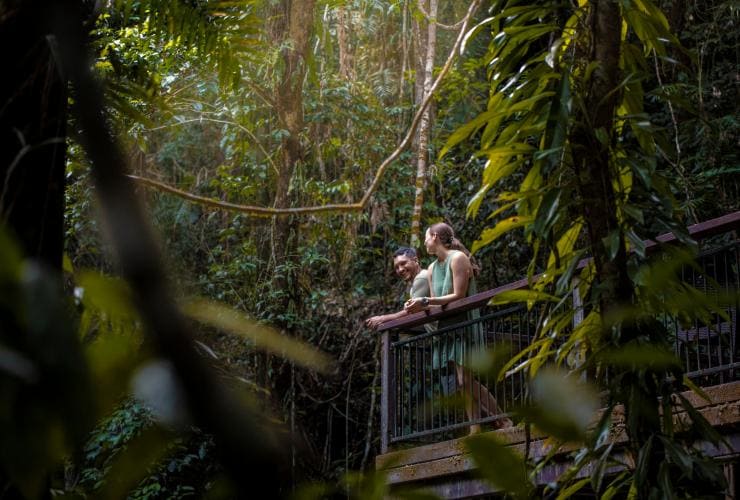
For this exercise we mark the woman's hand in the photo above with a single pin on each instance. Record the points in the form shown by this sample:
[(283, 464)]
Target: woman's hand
[(414, 305)]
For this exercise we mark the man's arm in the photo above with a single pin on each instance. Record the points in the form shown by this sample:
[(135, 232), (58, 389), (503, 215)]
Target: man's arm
[(420, 285), (419, 288), (376, 321)]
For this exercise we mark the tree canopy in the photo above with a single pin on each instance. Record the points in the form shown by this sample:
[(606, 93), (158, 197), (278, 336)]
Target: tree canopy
[(201, 200)]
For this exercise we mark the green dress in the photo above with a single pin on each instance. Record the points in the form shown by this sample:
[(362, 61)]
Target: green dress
[(454, 346)]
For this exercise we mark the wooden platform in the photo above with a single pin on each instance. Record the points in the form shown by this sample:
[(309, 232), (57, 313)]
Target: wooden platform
[(448, 471)]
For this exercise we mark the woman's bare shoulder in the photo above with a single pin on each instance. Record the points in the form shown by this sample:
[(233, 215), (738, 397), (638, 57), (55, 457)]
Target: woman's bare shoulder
[(459, 256)]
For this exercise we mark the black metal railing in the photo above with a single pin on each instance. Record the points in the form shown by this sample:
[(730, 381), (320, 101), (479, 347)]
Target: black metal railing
[(430, 391), (709, 348)]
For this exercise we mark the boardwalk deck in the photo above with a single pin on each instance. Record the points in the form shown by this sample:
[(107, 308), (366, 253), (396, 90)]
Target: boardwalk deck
[(447, 470)]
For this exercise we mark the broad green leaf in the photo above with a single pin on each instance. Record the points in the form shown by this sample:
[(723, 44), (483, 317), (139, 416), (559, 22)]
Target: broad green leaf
[(625, 182), (679, 456), (469, 128), (636, 242), (491, 234), (547, 212), (615, 487), (522, 296), (135, 462), (566, 242), (10, 258), (696, 389), (499, 167), (530, 32), (499, 465), (562, 406), (503, 208), (67, 264), (643, 459), (264, 337), (589, 328), (107, 304), (701, 424), (573, 488), (531, 183), (508, 150), (634, 212), (611, 242), (509, 368), (599, 468), (557, 120), (476, 200), (655, 14)]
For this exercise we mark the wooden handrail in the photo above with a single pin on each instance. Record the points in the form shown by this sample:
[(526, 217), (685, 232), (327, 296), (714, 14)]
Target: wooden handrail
[(723, 224)]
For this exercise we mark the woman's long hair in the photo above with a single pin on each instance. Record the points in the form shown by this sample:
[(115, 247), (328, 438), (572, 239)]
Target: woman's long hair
[(446, 236)]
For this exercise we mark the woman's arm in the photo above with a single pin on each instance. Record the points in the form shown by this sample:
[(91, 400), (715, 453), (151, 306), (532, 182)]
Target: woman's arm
[(461, 269)]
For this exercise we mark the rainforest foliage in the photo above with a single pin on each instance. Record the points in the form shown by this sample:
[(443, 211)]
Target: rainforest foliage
[(560, 130)]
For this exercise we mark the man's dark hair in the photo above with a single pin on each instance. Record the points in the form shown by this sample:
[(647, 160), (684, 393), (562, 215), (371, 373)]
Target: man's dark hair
[(405, 251)]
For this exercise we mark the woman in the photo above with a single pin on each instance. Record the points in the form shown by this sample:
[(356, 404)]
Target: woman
[(452, 277)]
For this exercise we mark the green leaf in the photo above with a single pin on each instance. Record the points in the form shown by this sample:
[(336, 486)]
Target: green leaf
[(573, 488), (615, 486), (499, 465), (611, 242), (491, 234), (634, 212), (696, 389), (643, 460), (110, 297), (562, 406), (557, 120), (597, 476), (566, 242), (264, 337), (547, 212), (522, 296), (499, 167), (701, 424), (468, 129), (678, 456), (476, 200), (10, 258)]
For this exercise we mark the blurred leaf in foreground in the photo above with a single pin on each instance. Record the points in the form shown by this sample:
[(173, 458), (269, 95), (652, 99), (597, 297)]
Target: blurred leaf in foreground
[(499, 465), (562, 406), (264, 337)]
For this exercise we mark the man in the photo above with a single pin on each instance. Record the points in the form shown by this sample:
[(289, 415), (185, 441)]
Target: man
[(407, 267)]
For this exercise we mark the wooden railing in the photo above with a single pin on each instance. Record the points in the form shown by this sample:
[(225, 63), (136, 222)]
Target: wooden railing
[(422, 369)]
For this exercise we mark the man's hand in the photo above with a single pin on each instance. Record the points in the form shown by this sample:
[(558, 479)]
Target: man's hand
[(375, 322)]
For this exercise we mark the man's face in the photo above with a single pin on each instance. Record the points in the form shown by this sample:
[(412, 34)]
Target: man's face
[(406, 267)]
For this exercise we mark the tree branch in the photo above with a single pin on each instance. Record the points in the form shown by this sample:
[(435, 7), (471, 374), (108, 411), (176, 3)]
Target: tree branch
[(432, 19), (339, 208), (247, 209)]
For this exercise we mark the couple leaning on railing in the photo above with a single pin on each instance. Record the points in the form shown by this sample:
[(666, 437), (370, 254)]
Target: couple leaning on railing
[(427, 350), (450, 277)]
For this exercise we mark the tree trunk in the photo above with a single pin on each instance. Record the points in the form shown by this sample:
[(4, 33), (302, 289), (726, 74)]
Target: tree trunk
[(292, 31), (612, 286), (289, 102), (427, 46), (591, 157), (32, 136), (346, 57)]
